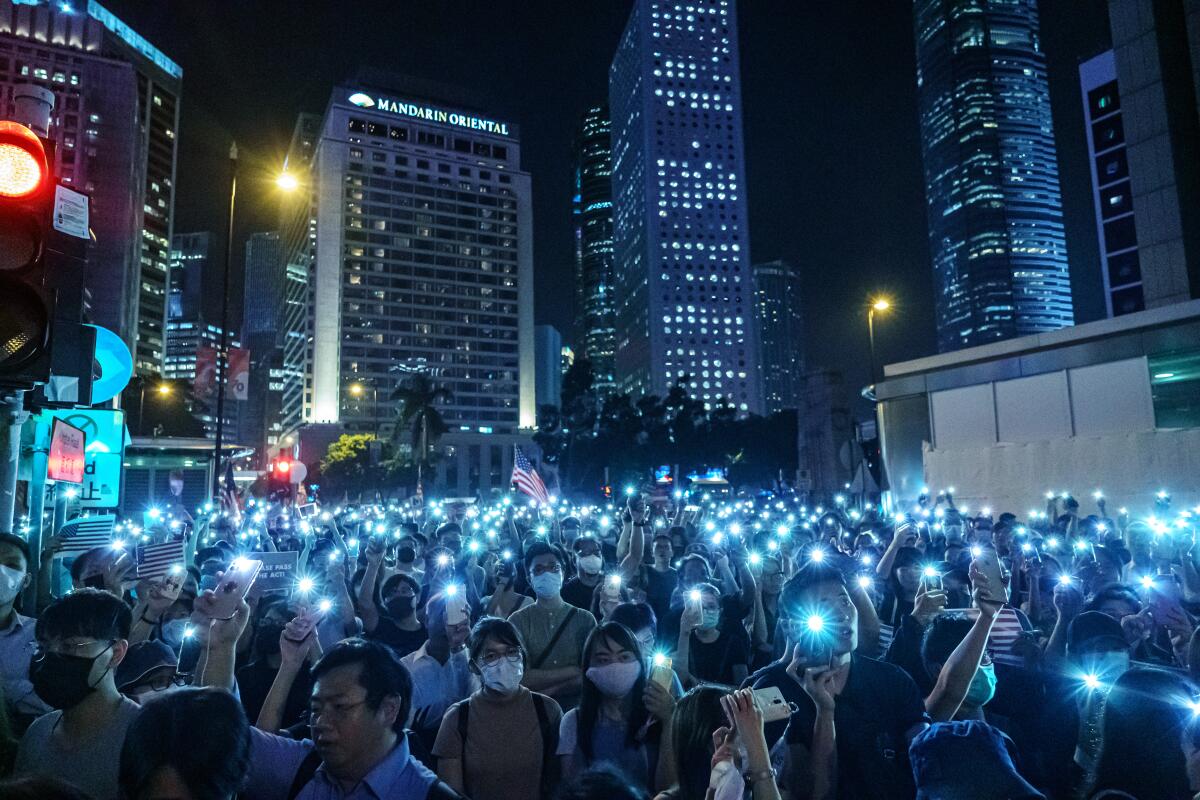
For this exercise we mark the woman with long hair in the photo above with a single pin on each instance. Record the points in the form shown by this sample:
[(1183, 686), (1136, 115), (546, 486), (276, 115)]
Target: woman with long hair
[(1148, 739), (619, 718)]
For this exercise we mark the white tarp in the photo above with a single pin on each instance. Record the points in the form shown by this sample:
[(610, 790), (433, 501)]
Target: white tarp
[(1129, 468)]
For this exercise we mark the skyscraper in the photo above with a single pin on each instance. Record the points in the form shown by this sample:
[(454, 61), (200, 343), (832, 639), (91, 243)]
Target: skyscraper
[(1157, 54), (261, 313), (779, 312), (593, 214), (115, 121), (991, 173), (548, 372), (1111, 195), (423, 260), (685, 294)]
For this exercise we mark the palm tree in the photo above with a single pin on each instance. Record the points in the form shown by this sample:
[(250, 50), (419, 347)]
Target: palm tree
[(417, 412)]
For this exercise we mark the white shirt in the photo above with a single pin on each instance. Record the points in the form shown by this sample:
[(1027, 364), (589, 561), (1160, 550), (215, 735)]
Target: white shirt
[(436, 686)]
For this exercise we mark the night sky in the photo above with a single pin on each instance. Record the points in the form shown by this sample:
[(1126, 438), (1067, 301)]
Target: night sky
[(829, 103)]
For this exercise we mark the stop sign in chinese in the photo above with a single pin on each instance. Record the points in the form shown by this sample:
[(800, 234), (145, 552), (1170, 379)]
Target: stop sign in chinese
[(66, 453)]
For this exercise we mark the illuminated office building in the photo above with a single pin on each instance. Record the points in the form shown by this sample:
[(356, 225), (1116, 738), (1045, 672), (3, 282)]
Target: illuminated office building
[(115, 122), (685, 293), (423, 259), (781, 334), (261, 322), (991, 174), (593, 214)]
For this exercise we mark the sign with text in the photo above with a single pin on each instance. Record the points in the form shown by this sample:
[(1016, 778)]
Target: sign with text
[(66, 453), (105, 439), (278, 571)]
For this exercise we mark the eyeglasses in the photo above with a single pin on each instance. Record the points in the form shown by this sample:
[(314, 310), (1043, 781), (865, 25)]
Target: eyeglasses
[(163, 682), (492, 659), (333, 710)]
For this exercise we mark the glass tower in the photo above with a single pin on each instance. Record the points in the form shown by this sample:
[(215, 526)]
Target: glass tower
[(593, 215), (685, 294), (991, 175), (781, 334)]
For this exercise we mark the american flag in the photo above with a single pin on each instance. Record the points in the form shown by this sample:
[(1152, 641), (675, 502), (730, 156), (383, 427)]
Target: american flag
[(84, 533), (1005, 632), (526, 479), (229, 495), (153, 560), (886, 634)]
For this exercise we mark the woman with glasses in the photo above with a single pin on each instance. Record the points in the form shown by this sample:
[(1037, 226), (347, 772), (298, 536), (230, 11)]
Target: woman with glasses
[(766, 611), (500, 741)]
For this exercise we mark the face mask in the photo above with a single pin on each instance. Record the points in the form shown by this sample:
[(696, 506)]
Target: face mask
[(10, 584), (61, 680), (406, 555), (266, 640), (548, 584), (399, 606), (983, 687), (615, 680), (97, 582), (590, 564), (709, 619), (503, 677), (172, 632)]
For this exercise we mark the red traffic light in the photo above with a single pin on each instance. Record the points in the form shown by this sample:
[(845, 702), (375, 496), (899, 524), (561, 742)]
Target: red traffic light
[(23, 167), (283, 467)]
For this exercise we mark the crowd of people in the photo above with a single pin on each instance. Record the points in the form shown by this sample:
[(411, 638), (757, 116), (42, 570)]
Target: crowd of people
[(677, 646)]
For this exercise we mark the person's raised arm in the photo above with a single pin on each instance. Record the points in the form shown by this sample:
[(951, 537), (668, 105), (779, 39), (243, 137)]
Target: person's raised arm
[(818, 685), (221, 647), (745, 580), (959, 670), (1068, 602), (902, 535), (869, 626), (688, 622), (633, 555), (366, 590), (336, 575), (742, 707), (292, 654)]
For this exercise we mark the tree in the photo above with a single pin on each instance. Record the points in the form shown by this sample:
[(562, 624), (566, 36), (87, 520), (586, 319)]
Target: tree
[(350, 465), (417, 412)]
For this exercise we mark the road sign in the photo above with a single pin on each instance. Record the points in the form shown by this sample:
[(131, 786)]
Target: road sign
[(66, 453), (103, 455)]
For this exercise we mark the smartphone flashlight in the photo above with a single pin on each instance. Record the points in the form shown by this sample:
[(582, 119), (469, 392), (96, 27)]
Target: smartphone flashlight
[(443, 559), (1147, 582), (864, 581), (815, 623), (473, 546), (334, 556), (755, 559), (817, 555), (305, 585), (325, 604), (614, 580), (1091, 681), (176, 569), (1064, 580), (659, 660), (118, 544), (452, 590), (976, 551), (772, 545), (930, 572), (694, 595)]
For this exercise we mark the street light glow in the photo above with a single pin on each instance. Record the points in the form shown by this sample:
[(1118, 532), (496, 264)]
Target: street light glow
[(287, 182), (882, 304)]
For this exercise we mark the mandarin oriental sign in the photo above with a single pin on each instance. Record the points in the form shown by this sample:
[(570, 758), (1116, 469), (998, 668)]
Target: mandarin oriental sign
[(430, 113)]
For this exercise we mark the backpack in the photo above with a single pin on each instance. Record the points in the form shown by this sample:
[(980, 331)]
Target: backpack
[(548, 731)]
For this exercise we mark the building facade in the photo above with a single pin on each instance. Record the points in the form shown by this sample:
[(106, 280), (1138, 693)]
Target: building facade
[(1157, 54), (261, 317), (991, 172), (423, 260), (115, 122), (548, 371), (779, 311), (191, 266), (1111, 194), (595, 334), (188, 341), (685, 295)]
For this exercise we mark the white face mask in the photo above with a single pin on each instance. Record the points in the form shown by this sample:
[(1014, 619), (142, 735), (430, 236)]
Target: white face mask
[(615, 680), (503, 677), (548, 584), (10, 583), (590, 564)]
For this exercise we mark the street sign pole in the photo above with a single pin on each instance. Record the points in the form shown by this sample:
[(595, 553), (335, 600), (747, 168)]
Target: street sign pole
[(39, 464), (12, 414)]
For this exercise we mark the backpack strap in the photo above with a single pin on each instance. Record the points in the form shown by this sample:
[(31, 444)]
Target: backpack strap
[(463, 707), (549, 733), (541, 659), (304, 773), (442, 791)]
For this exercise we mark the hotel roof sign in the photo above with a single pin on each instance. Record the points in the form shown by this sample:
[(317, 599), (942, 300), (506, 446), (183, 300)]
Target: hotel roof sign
[(429, 113)]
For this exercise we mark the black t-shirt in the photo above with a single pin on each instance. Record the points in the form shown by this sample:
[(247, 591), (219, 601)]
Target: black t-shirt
[(713, 662), (578, 594), (395, 637), (254, 682), (732, 613), (659, 588), (879, 705)]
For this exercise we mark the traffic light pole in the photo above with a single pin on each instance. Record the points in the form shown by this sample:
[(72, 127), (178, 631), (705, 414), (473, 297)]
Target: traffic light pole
[(222, 355), (12, 414)]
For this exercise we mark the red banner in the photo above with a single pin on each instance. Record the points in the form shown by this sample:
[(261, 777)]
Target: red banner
[(206, 372), (238, 366), (66, 453)]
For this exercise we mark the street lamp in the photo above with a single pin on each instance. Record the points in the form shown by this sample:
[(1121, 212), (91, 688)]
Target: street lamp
[(357, 389), (287, 182), (880, 305), (163, 389)]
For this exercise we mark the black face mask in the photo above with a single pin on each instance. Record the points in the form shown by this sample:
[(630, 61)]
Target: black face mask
[(266, 640), (62, 680), (406, 555), (399, 606), (94, 581)]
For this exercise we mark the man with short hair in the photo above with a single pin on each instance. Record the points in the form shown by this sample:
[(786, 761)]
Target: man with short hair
[(82, 639), (359, 751), (553, 631), (16, 635), (440, 669)]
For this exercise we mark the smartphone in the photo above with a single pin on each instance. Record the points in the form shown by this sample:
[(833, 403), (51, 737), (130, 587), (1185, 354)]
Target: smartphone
[(932, 583), (306, 622), (307, 511), (612, 587), (233, 586), (660, 673), (774, 705), (989, 564)]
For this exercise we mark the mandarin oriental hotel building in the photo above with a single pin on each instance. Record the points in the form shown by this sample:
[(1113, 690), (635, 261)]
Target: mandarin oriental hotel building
[(423, 258)]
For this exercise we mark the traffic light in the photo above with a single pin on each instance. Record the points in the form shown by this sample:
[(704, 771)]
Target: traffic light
[(26, 194), (279, 478)]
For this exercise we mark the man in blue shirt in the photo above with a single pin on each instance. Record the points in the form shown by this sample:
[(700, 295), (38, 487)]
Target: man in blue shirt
[(359, 751)]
